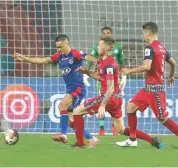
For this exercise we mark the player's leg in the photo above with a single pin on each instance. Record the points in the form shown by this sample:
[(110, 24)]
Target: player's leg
[(158, 105), (90, 106), (78, 113), (79, 128), (119, 125), (87, 134), (138, 102), (118, 121), (76, 102), (66, 102), (101, 121)]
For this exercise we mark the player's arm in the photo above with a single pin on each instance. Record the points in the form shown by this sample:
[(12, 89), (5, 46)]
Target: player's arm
[(94, 75), (91, 59), (93, 53), (91, 74), (21, 57), (146, 66), (172, 65), (109, 70), (110, 89)]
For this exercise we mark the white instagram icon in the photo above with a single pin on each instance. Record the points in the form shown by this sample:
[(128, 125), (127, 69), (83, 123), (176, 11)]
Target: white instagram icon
[(54, 113), (26, 100)]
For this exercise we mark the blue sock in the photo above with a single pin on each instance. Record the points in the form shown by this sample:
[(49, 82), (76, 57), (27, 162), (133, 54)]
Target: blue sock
[(87, 134), (64, 123)]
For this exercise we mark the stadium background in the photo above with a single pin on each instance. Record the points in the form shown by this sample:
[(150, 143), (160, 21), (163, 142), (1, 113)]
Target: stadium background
[(31, 27)]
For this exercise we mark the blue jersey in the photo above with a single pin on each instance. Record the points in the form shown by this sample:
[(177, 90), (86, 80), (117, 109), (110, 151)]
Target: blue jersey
[(73, 79)]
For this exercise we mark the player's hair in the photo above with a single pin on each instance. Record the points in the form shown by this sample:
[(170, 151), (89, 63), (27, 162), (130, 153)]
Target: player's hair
[(61, 37), (152, 26), (106, 28), (108, 40)]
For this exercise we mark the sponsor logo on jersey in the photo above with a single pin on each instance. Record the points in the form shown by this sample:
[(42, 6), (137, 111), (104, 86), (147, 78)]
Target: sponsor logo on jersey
[(116, 51), (147, 52), (65, 71), (63, 59), (109, 71), (71, 61)]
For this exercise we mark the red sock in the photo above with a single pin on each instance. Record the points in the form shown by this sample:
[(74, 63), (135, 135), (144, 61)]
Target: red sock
[(132, 122), (79, 129), (172, 126), (140, 135)]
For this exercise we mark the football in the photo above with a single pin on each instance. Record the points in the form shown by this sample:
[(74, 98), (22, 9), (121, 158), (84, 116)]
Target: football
[(11, 137)]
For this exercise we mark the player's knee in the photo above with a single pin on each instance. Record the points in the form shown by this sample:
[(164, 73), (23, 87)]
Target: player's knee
[(162, 121), (76, 111), (131, 108), (63, 105)]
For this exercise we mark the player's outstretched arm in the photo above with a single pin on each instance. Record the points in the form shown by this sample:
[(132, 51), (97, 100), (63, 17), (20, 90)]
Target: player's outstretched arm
[(21, 57), (172, 64), (110, 90), (91, 59)]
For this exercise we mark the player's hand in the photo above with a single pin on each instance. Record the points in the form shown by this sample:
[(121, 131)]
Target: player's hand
[(101, 112), (18, 57), (123, 82), (171, 81), (125, 71)]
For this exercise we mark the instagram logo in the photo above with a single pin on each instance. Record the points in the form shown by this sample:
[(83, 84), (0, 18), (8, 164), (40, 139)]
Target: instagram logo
[(54, 113), (20, 105)]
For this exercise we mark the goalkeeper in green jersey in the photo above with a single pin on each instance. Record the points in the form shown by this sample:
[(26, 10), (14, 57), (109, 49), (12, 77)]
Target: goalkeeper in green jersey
[(117, 53)]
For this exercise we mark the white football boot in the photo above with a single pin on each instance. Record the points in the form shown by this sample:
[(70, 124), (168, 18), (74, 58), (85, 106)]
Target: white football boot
[(127, 143)]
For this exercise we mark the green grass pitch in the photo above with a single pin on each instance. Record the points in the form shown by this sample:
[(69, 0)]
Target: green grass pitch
[(41, 151)]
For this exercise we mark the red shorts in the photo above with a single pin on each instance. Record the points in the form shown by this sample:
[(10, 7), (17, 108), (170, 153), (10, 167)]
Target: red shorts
[(113, 106), (156, 101)]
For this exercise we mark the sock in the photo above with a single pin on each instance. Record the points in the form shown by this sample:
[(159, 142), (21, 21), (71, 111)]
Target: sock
[(87, 134), (79, 128), (101, 123), (172, 126), (64, 121), (132, 122), (139, 134)]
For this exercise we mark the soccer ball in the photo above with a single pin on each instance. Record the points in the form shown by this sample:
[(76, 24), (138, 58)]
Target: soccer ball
[(11, 137)]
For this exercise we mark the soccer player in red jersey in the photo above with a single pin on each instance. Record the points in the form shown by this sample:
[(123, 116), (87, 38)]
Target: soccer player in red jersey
[(109, 99), (153, 95)]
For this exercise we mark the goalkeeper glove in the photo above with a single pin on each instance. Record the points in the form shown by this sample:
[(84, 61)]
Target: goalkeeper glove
[(123, 82), (85, 80)]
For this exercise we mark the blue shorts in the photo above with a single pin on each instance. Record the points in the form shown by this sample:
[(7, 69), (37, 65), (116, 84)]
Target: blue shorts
[(78, 93)]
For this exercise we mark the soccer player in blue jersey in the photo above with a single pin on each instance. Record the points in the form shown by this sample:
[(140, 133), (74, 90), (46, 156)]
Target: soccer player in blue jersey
[(69, 60)]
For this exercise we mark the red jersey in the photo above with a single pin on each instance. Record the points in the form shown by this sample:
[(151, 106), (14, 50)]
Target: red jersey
[(159, 55), (108, 69)]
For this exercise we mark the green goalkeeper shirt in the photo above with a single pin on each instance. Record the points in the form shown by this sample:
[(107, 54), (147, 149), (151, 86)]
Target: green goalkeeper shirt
[(117, 53)]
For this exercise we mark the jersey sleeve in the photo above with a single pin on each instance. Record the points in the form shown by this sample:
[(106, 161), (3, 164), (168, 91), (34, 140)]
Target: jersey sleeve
[(55, 57), (109, 70), (168, 56), (94, 53), (79, 55), (149, 53)]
